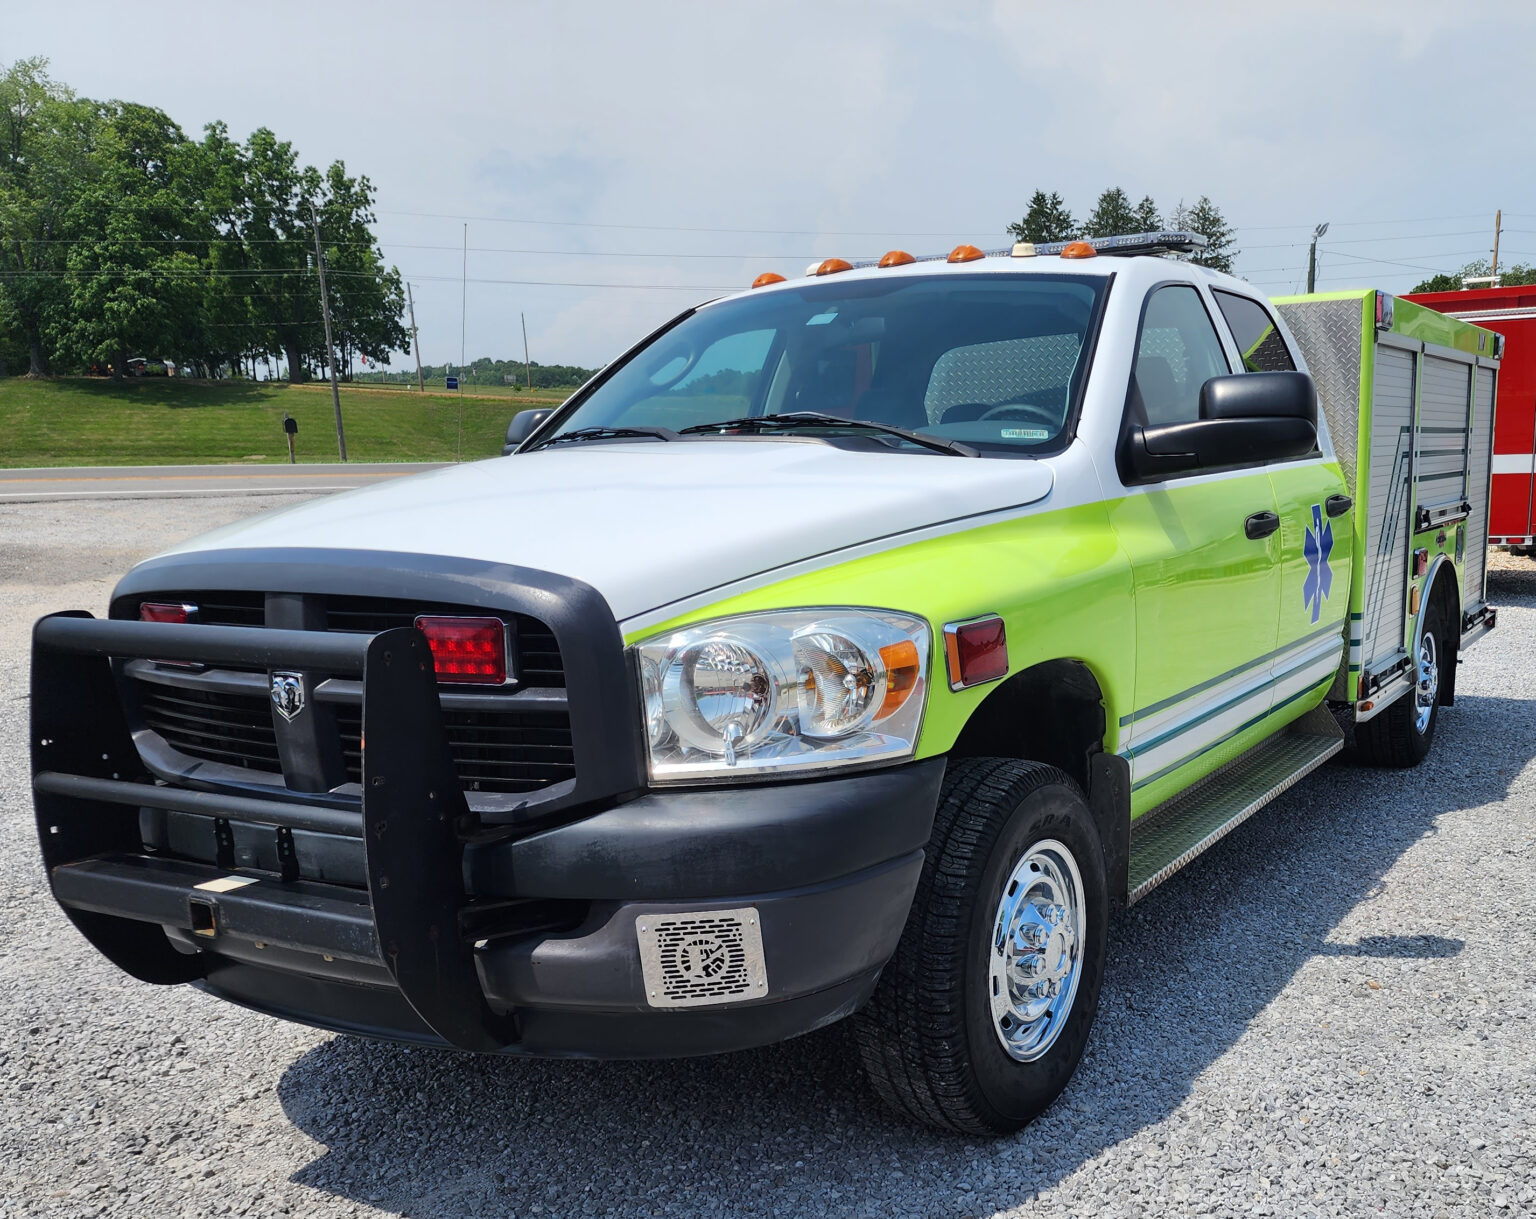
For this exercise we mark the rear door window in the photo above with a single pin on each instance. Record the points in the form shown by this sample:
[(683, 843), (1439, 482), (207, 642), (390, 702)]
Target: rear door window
[(1258, 338)]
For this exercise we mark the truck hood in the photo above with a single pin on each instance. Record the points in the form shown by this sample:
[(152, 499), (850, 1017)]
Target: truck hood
[(647, 524)]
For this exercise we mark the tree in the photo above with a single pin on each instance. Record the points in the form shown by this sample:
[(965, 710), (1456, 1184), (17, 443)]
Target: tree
[(1111, 214), (1046, 220), (45, 138), (135, 274), (1512, 275), (1146, 218), (1206, 219)]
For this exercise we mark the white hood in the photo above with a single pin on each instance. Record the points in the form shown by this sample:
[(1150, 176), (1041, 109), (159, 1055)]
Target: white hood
[(650, 523)]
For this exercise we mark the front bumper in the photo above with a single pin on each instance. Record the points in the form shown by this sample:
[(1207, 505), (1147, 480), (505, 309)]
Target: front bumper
[(446, 929)]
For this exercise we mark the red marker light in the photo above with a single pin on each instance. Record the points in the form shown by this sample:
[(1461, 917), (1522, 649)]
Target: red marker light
[(467, 650), (166, 611), (976, 651)]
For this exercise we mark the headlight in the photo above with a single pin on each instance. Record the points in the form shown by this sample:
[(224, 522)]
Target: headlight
[(783, 690)]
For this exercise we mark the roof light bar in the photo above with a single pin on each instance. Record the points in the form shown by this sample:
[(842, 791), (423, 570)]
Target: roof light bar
[(1122, 245)]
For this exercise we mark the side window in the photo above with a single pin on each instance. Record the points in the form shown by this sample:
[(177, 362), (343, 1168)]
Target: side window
[(1258, 338), (1177, 353)]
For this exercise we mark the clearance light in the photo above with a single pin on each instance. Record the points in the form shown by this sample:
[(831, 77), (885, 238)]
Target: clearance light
[(831, 266), (965, 253), (896, 258), (1078, 249), (1384, 311), (766, 278), (977, 651), (903, 668), (167, 611), (467, 650)]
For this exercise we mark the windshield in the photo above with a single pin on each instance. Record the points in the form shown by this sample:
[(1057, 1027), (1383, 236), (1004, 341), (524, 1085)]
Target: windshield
[(994, 361)]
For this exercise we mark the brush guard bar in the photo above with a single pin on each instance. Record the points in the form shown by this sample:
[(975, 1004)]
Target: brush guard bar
[(89, 783)]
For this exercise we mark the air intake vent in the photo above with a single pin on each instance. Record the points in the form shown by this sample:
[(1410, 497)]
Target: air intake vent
[(690, 960)]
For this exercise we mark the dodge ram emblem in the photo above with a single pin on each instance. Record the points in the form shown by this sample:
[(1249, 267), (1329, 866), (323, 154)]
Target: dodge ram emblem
[(288, 694)]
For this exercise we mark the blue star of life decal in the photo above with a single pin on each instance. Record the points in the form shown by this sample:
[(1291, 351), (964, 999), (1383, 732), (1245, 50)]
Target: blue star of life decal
[(1317, 547)]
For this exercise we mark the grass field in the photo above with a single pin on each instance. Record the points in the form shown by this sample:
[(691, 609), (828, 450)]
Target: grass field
[(86, 421)]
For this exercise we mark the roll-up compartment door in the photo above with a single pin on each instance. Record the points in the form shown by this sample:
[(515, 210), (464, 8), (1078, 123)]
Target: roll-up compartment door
[(1445, 416), (1389, 536), (1479, 462)]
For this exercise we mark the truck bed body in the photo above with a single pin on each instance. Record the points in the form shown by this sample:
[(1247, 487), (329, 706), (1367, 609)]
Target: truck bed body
[(1409, 400)]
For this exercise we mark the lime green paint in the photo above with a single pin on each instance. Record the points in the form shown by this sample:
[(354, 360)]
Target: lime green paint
[(1205, 593), (1059, 579)]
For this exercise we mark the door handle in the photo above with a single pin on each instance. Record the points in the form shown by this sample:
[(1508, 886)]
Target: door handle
[(1261, 525), (1338, 505)]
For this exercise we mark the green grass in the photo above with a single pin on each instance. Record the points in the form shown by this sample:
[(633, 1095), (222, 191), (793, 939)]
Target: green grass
[(87, 421)]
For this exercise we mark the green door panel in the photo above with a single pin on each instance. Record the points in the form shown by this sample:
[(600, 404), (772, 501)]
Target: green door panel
[(1205, 614), (1058, 578)]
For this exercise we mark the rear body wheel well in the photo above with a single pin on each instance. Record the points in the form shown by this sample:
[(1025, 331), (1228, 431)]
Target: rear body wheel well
[(1445, 595)]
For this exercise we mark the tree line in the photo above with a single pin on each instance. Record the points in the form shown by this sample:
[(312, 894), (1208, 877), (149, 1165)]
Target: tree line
[(1512, 275), (486, 371), (121, 236), (1048, 219)]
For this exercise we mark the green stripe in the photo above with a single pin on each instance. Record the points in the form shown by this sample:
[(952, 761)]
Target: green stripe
[(1236, 732), (1227, 676), (1211, 714)]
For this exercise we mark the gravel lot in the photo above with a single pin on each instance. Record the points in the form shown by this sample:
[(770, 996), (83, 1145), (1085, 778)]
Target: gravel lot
[(1330, 1013)]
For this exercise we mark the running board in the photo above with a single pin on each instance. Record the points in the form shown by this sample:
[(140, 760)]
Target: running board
[(1168, 837)]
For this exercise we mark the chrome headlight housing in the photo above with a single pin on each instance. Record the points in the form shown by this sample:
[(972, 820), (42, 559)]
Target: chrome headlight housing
[(784, 690)]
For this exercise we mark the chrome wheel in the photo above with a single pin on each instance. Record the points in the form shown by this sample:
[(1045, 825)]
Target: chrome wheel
[(1428, 689), (1036, 950)]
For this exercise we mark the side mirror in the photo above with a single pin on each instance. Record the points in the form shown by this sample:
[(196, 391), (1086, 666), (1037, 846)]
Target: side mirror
[(1246, 419), (523, 425)]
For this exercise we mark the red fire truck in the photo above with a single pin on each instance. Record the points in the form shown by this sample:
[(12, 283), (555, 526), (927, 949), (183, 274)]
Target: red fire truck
[(1512, 313)]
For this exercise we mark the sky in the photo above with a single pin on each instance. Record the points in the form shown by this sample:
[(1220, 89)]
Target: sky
[(617, 163)]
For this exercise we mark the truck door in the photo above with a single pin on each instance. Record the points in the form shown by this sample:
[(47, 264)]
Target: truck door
[(1204, 552), (1316, 530)]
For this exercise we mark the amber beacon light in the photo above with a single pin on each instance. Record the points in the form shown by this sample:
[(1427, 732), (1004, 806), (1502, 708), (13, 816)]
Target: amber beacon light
[(766, 278), (965, 253), (896, 258)]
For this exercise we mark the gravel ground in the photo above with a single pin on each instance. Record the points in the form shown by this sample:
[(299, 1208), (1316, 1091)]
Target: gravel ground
[(1330, 1013)]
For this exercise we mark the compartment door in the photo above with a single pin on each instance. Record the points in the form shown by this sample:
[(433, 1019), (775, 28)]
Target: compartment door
[(1484, 393), (1389, 506)]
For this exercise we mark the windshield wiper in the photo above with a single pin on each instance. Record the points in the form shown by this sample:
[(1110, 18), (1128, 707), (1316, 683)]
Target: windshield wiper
[(801, 419), (612, 433)]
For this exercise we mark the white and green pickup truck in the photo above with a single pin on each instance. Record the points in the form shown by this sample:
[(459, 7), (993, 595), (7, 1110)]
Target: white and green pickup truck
[(850, 647)]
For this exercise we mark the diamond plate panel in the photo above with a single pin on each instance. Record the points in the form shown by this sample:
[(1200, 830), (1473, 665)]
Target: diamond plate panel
[(1329, 335), (1165, 840), (1004, 371)]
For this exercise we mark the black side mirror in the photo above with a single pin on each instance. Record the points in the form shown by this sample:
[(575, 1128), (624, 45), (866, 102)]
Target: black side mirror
[(1246, 419), (523, 425)]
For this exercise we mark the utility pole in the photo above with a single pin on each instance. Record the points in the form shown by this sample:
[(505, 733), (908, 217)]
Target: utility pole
[(421, 385), (1498, 227), (330, 350), (463, 304), (527, 367), (1312, 257)]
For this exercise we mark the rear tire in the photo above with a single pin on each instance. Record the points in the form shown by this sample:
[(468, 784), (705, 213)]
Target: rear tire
[(1401, 735), (981, 1015)]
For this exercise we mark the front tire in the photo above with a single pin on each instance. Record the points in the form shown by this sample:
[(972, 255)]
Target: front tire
[(981, 1015)]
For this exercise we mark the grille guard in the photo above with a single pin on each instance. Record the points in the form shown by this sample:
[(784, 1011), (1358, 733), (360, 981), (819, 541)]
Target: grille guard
[(88, 782)]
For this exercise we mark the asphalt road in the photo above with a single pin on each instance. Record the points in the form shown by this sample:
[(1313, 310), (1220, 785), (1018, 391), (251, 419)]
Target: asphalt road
[(1333, 1012), (155, 482)]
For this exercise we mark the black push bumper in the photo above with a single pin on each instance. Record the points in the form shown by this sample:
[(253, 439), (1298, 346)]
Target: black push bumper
[(488, 937)]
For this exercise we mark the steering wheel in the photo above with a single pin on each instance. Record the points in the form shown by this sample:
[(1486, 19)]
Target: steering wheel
[(1048, 416)]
